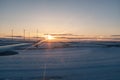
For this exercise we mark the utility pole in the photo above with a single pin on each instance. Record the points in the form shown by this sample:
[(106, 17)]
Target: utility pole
[(29, 35), (24, 34), (37, 34), (12, 34)]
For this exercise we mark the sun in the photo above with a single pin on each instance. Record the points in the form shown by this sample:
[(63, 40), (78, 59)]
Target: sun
[(49, 37)]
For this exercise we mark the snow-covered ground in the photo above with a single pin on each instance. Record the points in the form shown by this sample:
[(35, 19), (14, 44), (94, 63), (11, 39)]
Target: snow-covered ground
[(82, 61)]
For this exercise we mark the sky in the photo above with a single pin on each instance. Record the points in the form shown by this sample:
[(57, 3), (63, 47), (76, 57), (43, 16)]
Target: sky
[(82, 17)]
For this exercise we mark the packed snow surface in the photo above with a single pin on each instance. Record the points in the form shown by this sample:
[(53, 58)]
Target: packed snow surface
[(72, 63)]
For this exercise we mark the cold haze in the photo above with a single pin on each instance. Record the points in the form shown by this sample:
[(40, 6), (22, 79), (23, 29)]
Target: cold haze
[(82, 17), (59, 39)]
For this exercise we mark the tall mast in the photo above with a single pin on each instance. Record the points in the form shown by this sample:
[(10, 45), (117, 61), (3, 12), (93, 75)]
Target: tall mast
[(24, 34), (12, 34), (37, 34)]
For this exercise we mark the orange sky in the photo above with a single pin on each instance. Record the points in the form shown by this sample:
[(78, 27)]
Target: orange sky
[(81, 17)]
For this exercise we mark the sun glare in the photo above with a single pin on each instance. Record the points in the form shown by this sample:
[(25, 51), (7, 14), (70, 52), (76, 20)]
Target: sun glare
[(49, 37)]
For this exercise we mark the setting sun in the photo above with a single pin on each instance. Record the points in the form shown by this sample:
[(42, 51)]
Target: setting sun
[(49, 37)]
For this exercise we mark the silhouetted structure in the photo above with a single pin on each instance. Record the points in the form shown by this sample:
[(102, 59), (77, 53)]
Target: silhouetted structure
[(12, 34), (24, 34)]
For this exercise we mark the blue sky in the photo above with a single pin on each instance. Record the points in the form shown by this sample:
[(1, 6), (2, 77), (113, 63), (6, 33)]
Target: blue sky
[(83, 17)]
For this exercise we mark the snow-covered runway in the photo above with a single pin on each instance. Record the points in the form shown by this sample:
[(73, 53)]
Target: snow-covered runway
[(85, 63)]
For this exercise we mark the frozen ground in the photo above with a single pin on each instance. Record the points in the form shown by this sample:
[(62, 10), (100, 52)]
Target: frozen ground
[(73, 63)]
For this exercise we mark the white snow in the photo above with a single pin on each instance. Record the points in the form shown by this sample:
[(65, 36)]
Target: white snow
[(75, 63)]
